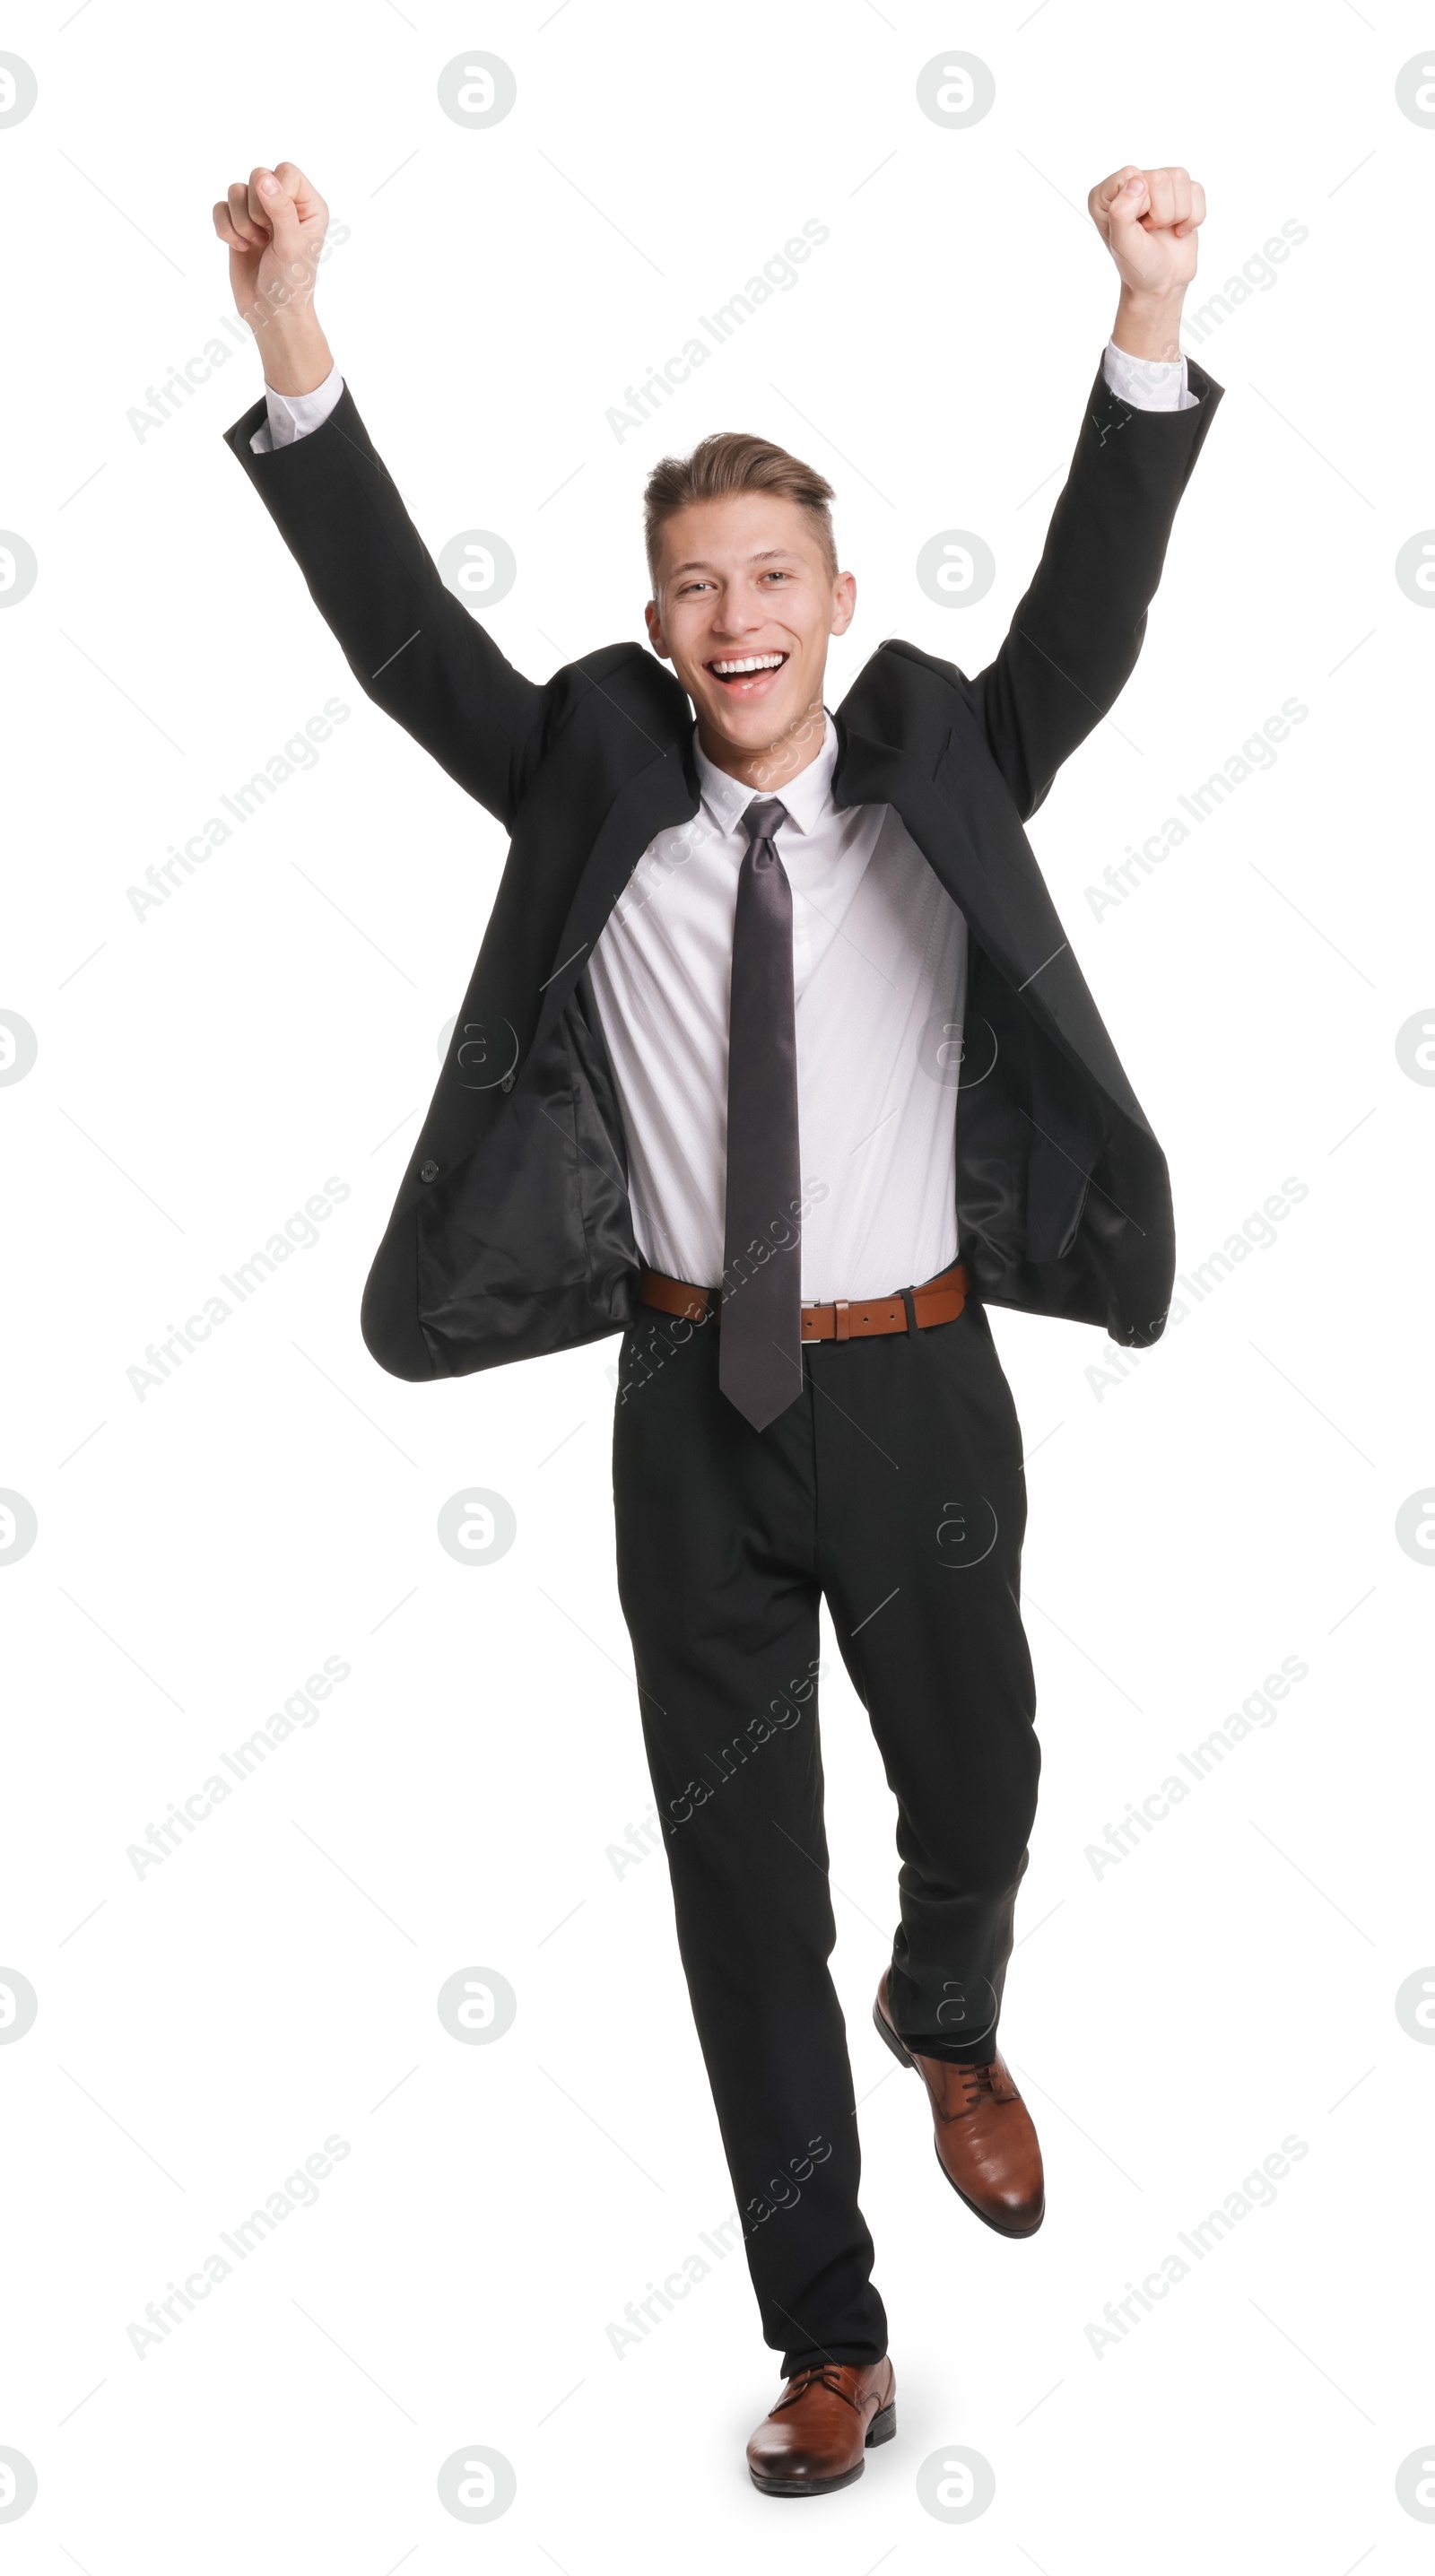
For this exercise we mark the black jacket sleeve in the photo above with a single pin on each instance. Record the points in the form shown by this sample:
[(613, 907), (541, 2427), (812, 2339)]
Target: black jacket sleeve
[(411, 645), (1074, 639)]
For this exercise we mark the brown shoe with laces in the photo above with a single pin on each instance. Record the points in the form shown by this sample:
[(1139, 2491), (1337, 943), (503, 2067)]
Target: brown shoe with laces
[(825, 2419), (986, 2144)]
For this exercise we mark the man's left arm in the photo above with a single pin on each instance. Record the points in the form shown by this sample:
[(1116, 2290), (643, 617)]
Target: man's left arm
[(1076, 634)]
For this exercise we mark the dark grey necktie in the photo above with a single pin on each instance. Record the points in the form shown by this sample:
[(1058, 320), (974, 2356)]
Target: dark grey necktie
[(760, 1332)]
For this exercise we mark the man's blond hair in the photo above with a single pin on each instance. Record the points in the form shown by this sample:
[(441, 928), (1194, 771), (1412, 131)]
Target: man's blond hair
[(731, 461)]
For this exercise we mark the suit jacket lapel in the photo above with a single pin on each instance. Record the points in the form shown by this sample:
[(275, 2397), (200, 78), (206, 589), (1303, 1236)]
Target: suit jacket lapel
[(962, 819), (663, 793), (962, 834)]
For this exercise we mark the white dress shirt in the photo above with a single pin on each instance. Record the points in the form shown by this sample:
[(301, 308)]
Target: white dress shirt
[(878, 953), (879, 973)]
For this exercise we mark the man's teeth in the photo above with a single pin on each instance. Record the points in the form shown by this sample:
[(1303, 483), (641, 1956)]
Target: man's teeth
[(756, 662)]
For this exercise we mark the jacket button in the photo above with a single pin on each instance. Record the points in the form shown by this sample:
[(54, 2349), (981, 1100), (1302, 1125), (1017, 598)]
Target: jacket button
[(428, 1171), (507, 1083)]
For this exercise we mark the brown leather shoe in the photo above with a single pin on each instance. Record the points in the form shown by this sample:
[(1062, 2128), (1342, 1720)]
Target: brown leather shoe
[(986, 2144), (824, 2420)]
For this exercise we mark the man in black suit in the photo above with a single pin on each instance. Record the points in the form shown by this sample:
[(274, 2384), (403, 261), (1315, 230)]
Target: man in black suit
[(776, 1060)]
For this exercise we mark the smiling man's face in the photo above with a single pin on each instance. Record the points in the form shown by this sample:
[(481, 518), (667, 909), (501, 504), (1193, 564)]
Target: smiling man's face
[(746, 602)]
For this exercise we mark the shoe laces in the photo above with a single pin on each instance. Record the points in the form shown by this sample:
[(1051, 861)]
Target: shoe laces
[(972, 2085), (818, 2374)]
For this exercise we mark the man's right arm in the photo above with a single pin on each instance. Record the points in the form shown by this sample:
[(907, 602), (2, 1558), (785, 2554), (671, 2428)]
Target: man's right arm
[(411, 645)]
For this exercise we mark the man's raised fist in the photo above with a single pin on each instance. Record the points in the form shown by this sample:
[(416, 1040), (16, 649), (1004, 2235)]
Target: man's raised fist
[(274, 226), (1148, 221)]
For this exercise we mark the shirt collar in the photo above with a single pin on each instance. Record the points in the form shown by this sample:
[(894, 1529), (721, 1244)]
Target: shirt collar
[(807, 797)]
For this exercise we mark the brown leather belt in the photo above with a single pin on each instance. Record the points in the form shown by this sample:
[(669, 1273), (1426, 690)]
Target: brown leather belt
[(937, 1301)]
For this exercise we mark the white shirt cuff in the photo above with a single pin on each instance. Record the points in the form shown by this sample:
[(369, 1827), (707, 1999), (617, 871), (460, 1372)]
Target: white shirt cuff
[(293, 416), (1148, 384)]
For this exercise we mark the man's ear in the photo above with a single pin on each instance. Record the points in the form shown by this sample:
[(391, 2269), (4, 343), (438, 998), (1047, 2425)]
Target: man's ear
[(652, 617), (844, 602)]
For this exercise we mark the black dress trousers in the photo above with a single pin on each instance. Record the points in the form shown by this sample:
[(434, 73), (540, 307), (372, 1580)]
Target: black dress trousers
[(893, 1488)]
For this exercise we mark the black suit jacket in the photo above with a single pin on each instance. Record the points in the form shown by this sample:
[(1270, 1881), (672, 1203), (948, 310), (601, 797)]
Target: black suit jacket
[(512, 1230)]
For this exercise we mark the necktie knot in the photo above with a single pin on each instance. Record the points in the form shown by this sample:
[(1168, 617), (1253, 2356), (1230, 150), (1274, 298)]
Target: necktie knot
[(761, 820)]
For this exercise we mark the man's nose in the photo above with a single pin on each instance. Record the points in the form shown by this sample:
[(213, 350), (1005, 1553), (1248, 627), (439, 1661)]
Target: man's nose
[(736, 615)]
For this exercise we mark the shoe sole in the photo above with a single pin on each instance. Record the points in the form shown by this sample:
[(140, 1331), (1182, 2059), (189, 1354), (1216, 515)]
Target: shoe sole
[(881, 2429), (904, 2057)]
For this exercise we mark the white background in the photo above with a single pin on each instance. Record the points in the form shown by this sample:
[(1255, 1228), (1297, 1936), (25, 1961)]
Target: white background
[(1229, 1502)]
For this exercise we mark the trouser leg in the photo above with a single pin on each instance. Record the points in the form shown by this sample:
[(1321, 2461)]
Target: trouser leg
[(716, 1528), (923, 1513)]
